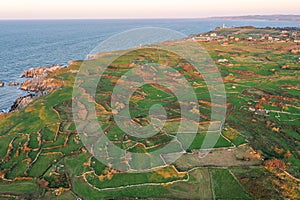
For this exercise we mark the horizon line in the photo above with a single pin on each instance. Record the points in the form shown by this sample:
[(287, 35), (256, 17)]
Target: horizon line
[(145, 18)]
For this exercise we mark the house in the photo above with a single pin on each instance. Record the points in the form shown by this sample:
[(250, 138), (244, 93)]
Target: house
[(213, 35), (270, 38)]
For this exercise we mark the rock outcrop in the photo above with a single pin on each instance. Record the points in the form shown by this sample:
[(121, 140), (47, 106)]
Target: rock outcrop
[(40, 71), (38, 83), (41, 85), (14, 84), (21, 102)]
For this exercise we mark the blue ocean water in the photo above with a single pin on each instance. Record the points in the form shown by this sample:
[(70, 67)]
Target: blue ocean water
[(25, 44)]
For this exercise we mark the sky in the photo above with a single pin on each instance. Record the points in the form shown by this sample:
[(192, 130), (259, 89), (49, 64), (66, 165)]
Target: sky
[(115, 9)]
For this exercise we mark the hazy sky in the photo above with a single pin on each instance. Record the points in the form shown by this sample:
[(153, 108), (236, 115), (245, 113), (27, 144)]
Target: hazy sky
[(74, 9)]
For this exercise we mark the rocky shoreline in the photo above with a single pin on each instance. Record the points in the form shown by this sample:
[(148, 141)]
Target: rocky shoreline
[(41, 71), (22, 102), (37, 84)]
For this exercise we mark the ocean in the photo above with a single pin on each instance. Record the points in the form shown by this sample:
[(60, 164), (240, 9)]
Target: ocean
[(33, 43)]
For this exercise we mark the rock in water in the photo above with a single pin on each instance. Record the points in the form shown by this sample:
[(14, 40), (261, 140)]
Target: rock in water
[(13, 84), (1, 84)]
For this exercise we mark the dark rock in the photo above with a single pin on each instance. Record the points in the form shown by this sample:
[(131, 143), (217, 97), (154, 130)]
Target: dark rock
[(22, 102)]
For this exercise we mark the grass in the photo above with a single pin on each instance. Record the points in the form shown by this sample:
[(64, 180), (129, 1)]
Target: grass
[(258, 182), (81, 188), (18, 170), (33, 142), (75, 164), (221, 179), (19, 187), (163, 175), (198, 186), (4, 141), (198, 141), (41, 164)]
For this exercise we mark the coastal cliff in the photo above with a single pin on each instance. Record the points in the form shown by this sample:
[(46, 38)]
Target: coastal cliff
[(40, 71), (41, 84), (22, 102), (38, 83)]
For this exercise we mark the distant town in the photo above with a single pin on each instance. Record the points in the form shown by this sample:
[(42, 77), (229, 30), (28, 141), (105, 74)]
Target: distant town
[(237, 34)]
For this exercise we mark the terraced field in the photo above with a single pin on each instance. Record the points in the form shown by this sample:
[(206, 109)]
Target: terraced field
[(256, 156)]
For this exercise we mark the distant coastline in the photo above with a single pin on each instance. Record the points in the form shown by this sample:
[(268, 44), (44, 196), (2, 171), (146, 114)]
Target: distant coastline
[(294, 18)]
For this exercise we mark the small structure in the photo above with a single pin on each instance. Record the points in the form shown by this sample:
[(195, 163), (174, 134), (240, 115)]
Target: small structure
[(213, 35), (294, 34), (92, 57), (297, 41), (262, 112), (251, 109), (276, 39), (224, 60)]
